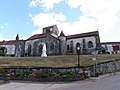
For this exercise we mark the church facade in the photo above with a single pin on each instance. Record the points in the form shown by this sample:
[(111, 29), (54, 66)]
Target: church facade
[(55, 44)]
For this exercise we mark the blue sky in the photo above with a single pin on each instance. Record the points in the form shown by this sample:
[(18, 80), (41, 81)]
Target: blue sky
[(15, 13), (28, 17)]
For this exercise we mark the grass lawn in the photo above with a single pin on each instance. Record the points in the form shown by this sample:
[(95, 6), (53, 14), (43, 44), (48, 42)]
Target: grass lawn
[(55, 61)]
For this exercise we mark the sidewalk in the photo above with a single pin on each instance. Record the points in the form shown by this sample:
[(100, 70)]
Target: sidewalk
[(47, 86)]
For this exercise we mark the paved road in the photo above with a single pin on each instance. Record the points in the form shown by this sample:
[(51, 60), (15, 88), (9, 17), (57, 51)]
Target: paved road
[(107, 83), (34, 86)]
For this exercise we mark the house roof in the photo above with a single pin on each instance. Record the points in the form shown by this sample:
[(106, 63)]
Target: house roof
[(11, 42), (37, 36), (88, 34), (110, 43)]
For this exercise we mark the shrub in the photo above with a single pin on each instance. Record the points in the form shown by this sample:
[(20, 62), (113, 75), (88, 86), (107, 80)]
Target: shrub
[(44, 75), (2, 70)]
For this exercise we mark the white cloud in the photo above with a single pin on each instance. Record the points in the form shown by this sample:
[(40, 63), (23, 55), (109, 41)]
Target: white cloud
[(4, 26), (96, 14), (74, 4), (45, 4), (104, 11), (34, 3), (46, 19)]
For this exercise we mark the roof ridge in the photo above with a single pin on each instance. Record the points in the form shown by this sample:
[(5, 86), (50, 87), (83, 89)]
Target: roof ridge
[(82, 34)]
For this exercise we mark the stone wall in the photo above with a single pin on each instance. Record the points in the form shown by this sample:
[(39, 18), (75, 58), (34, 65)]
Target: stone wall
[(83, 45), (52, 45), (61, 74), (105, 67)]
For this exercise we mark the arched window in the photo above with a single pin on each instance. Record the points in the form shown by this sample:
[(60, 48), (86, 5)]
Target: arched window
[(34, 48), (68, 47), (29, 50), (40, 49), (77, 44), (51, 46), (90, 44)]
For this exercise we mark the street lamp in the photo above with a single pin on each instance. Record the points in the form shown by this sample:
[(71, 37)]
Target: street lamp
[(78, 53)]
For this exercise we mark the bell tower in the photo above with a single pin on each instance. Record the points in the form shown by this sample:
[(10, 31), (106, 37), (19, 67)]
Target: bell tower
[(53, 30), (62, 38)]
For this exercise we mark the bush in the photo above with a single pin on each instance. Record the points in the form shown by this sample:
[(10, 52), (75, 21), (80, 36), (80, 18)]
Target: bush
[(2, 70), (44, 75)]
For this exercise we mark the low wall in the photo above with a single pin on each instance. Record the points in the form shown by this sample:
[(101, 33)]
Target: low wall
[(61, 74), (45, 74)]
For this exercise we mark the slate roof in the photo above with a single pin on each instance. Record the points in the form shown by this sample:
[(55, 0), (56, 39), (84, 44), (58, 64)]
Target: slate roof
[(37, 36), (81, 35), (11, 42)]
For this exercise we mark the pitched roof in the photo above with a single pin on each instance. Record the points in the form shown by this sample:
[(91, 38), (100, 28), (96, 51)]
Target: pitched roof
[(88, 34), (37, 36), (11, 42)]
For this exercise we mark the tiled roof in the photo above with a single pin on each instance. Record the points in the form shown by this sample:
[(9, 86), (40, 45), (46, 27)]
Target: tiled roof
[(110, 43), (94, 33), (11, 42), (37, 36)]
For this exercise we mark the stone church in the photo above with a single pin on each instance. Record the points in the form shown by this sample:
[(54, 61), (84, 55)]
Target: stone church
[(56, 44)]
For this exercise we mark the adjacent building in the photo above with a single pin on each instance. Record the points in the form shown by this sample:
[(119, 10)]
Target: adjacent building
[(110, 47)]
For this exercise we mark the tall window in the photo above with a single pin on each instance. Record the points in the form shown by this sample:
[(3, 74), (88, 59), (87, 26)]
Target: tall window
[(77, 44), (71, 46), (68, 47), (51, 46), (90, 44), (34, 48), (40, 49), (29, 50)]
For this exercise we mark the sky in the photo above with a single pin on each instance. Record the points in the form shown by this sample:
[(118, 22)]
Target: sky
[(28, 17)]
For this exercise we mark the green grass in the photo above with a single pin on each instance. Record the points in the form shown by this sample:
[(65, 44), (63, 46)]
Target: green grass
[(55, 61)]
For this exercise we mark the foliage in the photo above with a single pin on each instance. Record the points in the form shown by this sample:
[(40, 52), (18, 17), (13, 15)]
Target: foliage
[(45, 75), (2, 69)]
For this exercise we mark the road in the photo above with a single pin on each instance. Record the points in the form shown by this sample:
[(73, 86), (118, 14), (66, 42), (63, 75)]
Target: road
[(105, 83), (108, 83)]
